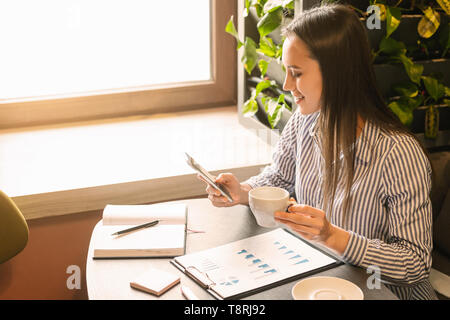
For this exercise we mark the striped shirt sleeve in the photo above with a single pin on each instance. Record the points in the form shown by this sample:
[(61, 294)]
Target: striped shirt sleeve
[(405, 256), (281, 173)]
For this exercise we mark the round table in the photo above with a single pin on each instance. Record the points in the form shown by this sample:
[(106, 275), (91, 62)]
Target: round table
[(110, 278)]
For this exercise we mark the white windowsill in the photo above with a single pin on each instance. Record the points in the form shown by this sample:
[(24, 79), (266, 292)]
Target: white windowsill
[(57, 170)]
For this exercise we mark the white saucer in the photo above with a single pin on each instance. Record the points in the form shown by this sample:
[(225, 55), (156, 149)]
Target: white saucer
[(326, 288)]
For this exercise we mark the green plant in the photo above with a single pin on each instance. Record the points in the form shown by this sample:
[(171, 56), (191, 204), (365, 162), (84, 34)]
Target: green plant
[(437, 91), (260, 52), (430, 92), (423, 90), (426, 28)]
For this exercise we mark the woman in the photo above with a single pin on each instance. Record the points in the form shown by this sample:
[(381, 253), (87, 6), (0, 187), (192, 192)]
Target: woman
[(362, 181)]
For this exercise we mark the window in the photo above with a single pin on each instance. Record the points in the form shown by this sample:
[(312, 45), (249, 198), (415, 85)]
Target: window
[(68, 60)]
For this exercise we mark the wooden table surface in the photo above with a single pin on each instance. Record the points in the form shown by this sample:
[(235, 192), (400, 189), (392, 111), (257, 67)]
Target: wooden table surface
[(110, 279)]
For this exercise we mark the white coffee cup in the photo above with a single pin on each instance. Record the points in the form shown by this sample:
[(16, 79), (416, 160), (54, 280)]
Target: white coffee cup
[(265, 201)]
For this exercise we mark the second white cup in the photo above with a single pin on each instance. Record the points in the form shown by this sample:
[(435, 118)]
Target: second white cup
[(265, 201)]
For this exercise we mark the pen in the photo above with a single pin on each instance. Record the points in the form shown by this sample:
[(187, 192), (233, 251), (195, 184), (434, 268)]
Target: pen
[(188, 294), (141, 226)]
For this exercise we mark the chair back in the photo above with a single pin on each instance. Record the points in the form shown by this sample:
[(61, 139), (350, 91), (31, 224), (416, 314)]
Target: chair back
[(13, 229)]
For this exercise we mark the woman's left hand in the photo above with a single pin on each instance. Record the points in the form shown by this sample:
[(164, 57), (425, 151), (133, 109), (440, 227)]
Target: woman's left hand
[(311, 223)]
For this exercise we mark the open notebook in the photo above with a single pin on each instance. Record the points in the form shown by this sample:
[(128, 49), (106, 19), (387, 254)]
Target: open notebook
[(166, 239)]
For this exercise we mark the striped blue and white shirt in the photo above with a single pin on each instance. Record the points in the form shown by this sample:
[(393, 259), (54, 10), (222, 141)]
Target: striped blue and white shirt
[(390, 216)]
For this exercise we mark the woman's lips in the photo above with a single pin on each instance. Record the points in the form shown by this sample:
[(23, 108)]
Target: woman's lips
[(299, 99)]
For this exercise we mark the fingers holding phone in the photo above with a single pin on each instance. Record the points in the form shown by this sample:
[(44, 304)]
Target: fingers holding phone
[(210, 190), (228, 182), (223, 191)]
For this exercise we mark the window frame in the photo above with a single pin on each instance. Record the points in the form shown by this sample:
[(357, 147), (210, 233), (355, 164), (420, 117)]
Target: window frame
[(220, 90)]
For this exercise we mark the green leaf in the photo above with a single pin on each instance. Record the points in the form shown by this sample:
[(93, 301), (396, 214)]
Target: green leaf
[(262, 65), (382, 10), (260, 2), (250, 108), (250, 57), (415, 102), (447, 91), (259, 6), (289, 4), (435, 89), (259, 10), (282, 100), (447, 102), (231, 29), (392, 47), (393, 16), (431, 122), (445, 4), (274, 110), (270, 21), (402, 110), (272, 5), (264, 100), (246, 9), (279, 52), (429, 23), (267, 47), (408, 89), (263, 85), (431, 85), (413, 70)]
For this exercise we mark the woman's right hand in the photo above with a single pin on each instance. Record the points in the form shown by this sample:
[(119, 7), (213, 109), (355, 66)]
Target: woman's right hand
[(238, 192)]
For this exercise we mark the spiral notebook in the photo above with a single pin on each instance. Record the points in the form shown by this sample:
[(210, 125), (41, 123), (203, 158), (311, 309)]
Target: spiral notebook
[(254, 264)]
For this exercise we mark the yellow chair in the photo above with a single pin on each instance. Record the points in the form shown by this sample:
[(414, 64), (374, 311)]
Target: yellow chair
[(13, 229)]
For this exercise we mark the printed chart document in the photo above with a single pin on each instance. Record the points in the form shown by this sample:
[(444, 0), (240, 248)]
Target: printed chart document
[(166, 239), (253, 264)]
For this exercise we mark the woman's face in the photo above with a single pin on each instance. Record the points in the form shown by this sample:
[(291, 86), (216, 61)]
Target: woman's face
[(303, 76)]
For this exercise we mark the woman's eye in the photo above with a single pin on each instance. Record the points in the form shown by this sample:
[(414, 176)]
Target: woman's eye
[(295, 75)]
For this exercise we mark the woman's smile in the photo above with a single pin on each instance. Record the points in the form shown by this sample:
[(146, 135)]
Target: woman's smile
[(298, 100)]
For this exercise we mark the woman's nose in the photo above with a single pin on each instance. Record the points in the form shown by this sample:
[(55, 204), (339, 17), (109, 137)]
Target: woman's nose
[(287, 85)]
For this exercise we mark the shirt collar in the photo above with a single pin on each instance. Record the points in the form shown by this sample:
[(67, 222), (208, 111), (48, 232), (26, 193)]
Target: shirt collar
[(366, 141)]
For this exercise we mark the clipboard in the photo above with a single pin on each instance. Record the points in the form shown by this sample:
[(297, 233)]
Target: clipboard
[(254, 264)]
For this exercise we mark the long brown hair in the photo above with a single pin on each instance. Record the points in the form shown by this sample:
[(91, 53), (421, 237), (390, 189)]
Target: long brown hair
[(337, 39)]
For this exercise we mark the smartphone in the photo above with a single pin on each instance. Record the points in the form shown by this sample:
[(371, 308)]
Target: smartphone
[(207, 176)]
